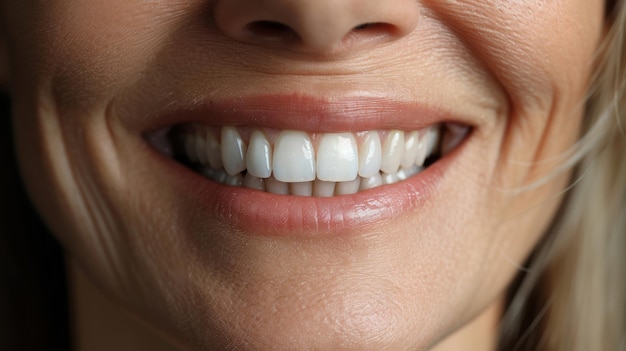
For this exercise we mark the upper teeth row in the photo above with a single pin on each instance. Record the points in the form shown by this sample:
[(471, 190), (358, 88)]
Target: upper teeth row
[(296, 156)]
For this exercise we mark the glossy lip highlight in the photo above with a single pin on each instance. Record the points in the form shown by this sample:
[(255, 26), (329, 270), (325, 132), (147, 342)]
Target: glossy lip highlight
[(259, 213)]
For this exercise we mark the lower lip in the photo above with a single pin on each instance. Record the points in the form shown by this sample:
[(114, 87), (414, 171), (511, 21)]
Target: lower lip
[(259, 213)]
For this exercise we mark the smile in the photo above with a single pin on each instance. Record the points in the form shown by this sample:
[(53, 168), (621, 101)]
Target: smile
[(301, 166), (289, 162)]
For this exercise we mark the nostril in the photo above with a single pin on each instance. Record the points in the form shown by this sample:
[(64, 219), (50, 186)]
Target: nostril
[(366, 26), (375, 28), (371, 32), (271, 30)]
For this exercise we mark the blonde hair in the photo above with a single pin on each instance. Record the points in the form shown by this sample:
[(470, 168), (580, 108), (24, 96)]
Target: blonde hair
[(573, 296)]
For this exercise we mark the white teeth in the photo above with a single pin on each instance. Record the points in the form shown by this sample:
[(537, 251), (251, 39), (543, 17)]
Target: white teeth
[(302, 189), (299, 163), (276, 187), (337, 159), (411, 142), (370, 155), (392, 151), (323, 189), (233, 151), (294, 160), (347, 188), (259, 156)]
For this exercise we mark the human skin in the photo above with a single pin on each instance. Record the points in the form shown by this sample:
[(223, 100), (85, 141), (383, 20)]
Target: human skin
[(88, 79)]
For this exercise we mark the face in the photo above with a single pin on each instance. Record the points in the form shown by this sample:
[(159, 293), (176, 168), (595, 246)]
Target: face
[(158, 140)]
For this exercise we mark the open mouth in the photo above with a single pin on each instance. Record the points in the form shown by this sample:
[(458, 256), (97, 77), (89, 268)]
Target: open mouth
[(294, 165), (292, 162)]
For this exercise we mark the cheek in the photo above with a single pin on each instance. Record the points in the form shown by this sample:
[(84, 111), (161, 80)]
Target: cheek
[(85, 50), (532, 47)]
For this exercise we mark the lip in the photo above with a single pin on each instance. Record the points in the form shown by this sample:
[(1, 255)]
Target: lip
[(302, 112), (264, 214)]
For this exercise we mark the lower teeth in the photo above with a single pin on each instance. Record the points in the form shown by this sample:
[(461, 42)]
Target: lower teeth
[(316, 188)]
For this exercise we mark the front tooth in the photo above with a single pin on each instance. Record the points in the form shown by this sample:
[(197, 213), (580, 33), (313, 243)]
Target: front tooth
[(392, 151), (337, 159), (276, 187), (233, 151), (259, 156), (302, 189), (411, 143), (323, 189), (294, 160), (347, 188), (213, 151), (370, 155)]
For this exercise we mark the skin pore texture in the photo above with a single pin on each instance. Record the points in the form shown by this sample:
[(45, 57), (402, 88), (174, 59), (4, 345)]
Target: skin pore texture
[(425, 263)]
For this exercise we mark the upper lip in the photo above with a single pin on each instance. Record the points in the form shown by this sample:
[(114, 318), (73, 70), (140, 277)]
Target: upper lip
[(307, 113)]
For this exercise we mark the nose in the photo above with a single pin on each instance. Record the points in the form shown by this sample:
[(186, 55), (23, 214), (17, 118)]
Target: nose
[(316, 26)]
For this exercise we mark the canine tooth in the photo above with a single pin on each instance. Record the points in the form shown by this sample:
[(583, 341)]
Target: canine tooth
[(370, 155), (347, 188), (323, 189), (259, 156), (392, 151), (233, 151), (390, 178), (294, 160), (213, 151), (301, 189), (337, 159), (411, 142), (252, 182), (371, 182), (276, 187)]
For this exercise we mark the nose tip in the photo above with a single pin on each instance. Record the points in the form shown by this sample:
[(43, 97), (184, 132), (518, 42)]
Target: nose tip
[(316, 26)]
